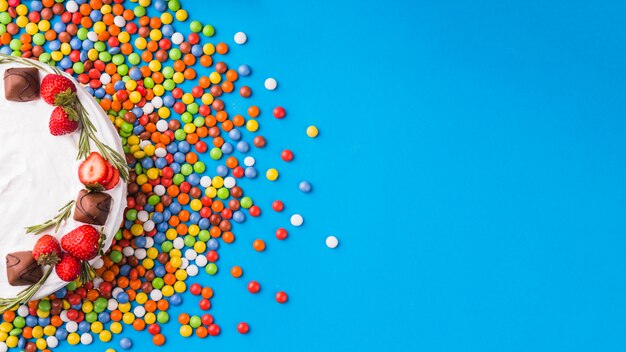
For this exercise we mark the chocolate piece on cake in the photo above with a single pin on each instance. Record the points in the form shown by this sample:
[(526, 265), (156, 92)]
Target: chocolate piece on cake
[(21, 84), (92, 207), (22, 269)]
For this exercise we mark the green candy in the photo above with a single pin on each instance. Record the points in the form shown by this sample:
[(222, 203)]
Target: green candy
[(148, 82), (186, 117), (158, 283), (119, 235), (163, 317), (215, 153), (169, 84), (39, 39), (125, 133), (195, 321), (118, 59), (246, 202), (167, 71), (100, 305), (167, 246), (173, 5), (44, 57), (138, 169), (82, 33), (192, 108), (127, 127), (44, 305), (122, 69), (19, 322), (139, 11), (199, 167), (91, 317), (195, 26), (100, 46), (116, 256), (208, 30), (78, 67), (175, 54), (189, 240), (131, 214), (15, 44), (154, 200), (3, 29), (5, 18), (104, 56), (186, 169), (71, 286), (180, 135), (178, 179), (134, 59), (198, 121), (223, 193), (204, 236), (15, 332), (211, 269)]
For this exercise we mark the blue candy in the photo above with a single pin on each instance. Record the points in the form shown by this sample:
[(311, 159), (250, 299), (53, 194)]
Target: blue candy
[(244, 70), (212, 244), (227, 148)]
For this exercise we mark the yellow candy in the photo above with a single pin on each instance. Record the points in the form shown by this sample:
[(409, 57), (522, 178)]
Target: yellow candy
[(124, 307), (133, 140), (41, 344), (272, 174), (123, 37), (4, 5), (136, 229), (175, 252), (186, 330), (31, 28), (57, 56), (167, 18), (187, 98), (149, 149), (42, 314), (49, 330), (167, 290), (66, 304), (176, 262), (164, 112), (37, 332), (97, 327), (141, 43), (152, 253), (131, 85), (178, 77), (252, 125), (21, 21), (99, 27), (6, 327), (153, 173), (215, 77), (87, 306), (154, 66), (189, 128), (144, 3), (141, 179), (149, 318), (141, 298), (156, 35), (92, 54), (181, 15), (195, 205), (199, 247), (135, 148), (208, 49), (217, 182), (312, 131), (134, 97), (158, 90), (171, 234), (180, 286), (66, 48), (194, 229), (105, 9), (12, 341), (139, 155), (128, 318), (211, 192), (21, 10), (105, 336), (116, 327), (43, 25), (148, 263), (207, 99), (180, 275), (73, 338), (3, 336)]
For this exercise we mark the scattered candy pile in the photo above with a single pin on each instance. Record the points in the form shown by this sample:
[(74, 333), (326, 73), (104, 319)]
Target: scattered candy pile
[(135, 62)]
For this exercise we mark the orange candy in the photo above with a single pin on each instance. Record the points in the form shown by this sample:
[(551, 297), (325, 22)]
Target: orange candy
[(258, 245), (236, 271), (221, 48)]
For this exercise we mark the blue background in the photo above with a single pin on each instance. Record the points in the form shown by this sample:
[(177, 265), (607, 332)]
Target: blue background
[(471, 162)]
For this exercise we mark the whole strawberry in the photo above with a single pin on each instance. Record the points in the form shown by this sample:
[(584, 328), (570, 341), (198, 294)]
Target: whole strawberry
[(68, 268), (47, 250), (83, 242), (54, 85), (61, 123)]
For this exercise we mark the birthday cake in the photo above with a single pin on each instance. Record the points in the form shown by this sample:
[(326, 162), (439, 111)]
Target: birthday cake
[(62, 184)]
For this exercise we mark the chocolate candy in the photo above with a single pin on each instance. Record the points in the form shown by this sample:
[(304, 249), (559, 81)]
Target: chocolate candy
[(21, 84), (22, 269), (92, 207)]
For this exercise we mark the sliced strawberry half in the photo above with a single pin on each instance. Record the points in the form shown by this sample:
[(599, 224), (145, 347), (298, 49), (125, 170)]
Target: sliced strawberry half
[(114, 180), (110, 172), (93, 171)]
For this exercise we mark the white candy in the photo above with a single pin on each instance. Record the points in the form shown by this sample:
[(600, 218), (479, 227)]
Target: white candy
[(201, 260), (157, 102), (177, 38), (116, 291), (149, 242), (4, 348), (178, 243), (296, 220), (86, 339), (97, 281), (184, 263), (71, 6), (270, 84), (105, 78), (98, 263), (161, 126), (156, 295), (144, 144), (112, 304), (192, 270), (92, 36), (119, 21), (148, 225), (140, 253), (205, 181), (148, 108), (159, 190), (241, 38), (143, 216), (191, 254), (22, 311), (161, 152), (71, 326), (139, 311), (249, 161), (52, 341), (63, 316), (230, 182), (332, 242), (128, 251)]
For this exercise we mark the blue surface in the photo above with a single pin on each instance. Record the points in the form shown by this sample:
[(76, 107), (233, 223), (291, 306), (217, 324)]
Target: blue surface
[(471, 162)]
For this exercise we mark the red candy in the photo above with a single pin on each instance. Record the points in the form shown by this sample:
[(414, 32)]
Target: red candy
[(281, 297), (243, 328), (287, 155), (254, 287), (279, 112), (278, 206)]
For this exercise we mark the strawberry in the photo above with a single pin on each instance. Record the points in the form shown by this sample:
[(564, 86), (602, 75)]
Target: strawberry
[(109, 174), (68, 268), (93, 171), (115, 179), (47, 250), (83, 242), (61, 123), (54, 85)]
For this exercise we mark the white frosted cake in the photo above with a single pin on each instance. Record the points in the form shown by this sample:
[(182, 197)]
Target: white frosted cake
[(39, 175)]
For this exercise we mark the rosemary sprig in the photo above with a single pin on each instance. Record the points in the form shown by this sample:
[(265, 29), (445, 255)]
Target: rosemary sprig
[(61, 216), (26, 294)]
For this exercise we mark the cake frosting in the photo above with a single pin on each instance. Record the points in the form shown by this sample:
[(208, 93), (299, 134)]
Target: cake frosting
[(39, 175)]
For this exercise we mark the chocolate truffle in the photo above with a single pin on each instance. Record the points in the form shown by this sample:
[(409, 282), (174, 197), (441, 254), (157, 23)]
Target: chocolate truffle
[(92, 207), (21, 84), (22, 269)]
